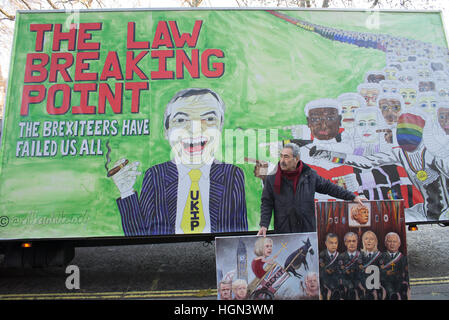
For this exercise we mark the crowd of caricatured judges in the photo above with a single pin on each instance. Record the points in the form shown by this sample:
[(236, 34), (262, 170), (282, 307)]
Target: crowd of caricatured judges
[(392, 130)]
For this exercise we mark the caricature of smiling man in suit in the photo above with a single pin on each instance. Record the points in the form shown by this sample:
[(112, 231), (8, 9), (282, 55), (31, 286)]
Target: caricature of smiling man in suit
[(192, 193)]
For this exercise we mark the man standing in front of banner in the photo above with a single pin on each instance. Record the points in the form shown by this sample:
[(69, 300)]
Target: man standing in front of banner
[(193, 193), (290, 193)]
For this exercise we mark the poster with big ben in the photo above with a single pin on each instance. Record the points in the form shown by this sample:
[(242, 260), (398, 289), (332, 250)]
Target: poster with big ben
[(275, 267)]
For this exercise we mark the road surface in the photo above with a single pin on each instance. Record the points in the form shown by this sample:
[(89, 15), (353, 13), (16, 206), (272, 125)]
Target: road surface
[(187, 271)]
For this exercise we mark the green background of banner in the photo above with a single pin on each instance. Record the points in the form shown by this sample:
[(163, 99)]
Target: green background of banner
[(272, 69)]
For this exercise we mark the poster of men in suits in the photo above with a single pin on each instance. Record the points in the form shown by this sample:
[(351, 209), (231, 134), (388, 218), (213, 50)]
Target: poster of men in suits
[(362, 251)]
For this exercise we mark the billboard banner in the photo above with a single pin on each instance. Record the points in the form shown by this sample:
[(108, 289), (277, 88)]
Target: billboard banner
[(276, 267), (162, 122), (362, 251)]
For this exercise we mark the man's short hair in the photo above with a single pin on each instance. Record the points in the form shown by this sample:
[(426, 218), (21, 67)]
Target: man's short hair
[(295, 149), (331, 235), (237, 283), (310, 275), (394, 234), (185, 93), (350, 234), (224, 282)]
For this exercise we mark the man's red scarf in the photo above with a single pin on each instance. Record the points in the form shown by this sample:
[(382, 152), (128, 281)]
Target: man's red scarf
[(293, 176)]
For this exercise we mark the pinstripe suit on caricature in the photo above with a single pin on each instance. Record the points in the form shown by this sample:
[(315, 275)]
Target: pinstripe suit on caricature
[(193, 193)]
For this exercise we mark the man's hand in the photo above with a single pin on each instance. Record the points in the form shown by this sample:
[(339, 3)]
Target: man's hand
[(351, 182), (125, 178), (359, 200), (388, 134), (320, 154), (262, 231)]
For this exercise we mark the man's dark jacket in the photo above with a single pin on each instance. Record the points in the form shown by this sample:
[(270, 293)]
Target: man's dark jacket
[(296, 213)]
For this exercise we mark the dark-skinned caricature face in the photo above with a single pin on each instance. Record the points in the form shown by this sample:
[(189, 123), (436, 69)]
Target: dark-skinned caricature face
[(425, 86), (375, 78), (443, 119), (390, 108), (324, 123)]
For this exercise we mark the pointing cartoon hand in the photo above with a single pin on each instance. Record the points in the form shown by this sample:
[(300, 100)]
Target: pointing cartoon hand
[(320, 154)]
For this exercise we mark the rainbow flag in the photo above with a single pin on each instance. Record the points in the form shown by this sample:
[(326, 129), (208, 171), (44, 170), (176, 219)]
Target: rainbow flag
[(338, 160), (409, 131)]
